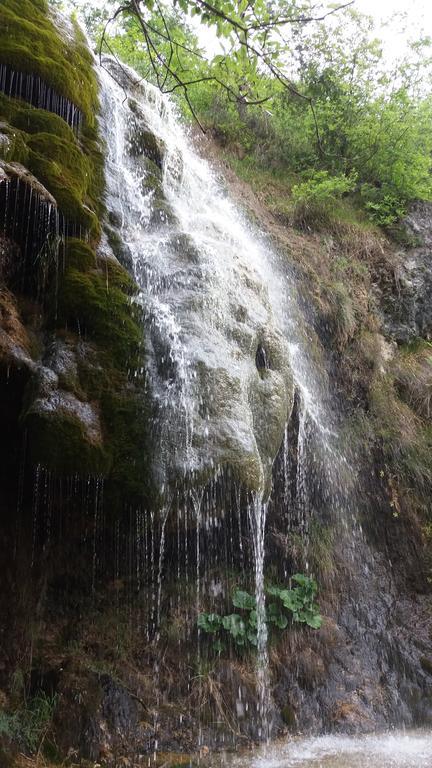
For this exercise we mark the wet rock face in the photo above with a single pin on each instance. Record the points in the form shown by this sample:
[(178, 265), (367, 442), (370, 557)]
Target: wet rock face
[(31, 88), (206, 291), (408, 306), (30, 219), (96, 718)]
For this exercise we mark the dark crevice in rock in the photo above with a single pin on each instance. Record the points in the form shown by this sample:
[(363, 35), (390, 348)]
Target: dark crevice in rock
[(262, 360), (32, 89), (29, 217)]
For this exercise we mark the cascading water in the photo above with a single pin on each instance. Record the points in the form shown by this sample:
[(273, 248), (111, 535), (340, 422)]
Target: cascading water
[(227, 348), (207, 292)]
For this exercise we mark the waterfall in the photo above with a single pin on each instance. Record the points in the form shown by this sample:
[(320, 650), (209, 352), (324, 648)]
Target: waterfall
[(226, 344)]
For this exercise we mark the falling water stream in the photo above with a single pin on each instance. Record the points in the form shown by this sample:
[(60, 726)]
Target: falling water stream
[(210, 301), (228, 354)]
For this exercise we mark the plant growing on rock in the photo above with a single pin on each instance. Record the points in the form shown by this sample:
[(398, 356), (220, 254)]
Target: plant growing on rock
[(289, 605)]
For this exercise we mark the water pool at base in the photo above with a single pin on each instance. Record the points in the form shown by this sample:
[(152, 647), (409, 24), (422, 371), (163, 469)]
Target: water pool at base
[(395, 749)]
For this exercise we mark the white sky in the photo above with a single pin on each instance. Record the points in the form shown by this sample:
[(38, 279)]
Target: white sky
[(418, 22), (416, 9), (418, 18)]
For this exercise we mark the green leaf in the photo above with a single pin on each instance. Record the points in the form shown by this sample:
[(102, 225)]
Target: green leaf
[(273, 591), (276, 617), (209, 622), (253, 619), (236, 627), (314, 621), (244, 600), (218, 646), (290, 599)]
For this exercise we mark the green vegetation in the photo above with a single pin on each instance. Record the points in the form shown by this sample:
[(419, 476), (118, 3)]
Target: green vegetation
[(287, 605), (88, 299), (30, 42), (313, 200), (70, 167), (400, 408), (346, 123), (29, 726)]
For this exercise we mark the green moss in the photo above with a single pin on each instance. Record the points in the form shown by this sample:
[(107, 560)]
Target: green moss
[(289, 717), (32, 120), (104, 313), (126, 417), (117, 277), (70, 167), (95, 295), (58, 441), (152, 181), (73, 178), (79, 255), (30, 42), (14, 148), (406, 440), (64, 171), (426, 664)]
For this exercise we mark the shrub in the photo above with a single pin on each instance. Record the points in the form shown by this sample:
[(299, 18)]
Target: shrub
[(383, 206), (314, 199)]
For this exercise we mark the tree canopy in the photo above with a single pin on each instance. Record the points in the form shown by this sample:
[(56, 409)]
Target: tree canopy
[(303, 87)]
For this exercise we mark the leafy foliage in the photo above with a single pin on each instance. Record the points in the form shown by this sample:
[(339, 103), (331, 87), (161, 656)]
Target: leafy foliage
[(288, 605), (314, 198), (300, 601), (345, 120)]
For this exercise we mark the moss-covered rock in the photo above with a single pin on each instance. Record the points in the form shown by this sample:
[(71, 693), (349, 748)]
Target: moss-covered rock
[(79, 255), (65, 435), (89, 305), (69, 166), (72, 175), (12, 145), (31, 42), (85, 409)]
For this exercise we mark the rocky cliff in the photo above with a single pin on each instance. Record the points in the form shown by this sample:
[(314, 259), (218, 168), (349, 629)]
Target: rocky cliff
[(98, 662)]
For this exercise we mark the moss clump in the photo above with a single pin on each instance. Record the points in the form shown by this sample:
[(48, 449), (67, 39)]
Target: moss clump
[(60, 442), (289, 716), (126, 417), (30, 42), (31, 120), (72, 177), (406, 441), (118, 277), (64, 171), (13, 147), (426, 664), (70, 167), (79, 255), (152, 181), (102, 312), (92, 298)]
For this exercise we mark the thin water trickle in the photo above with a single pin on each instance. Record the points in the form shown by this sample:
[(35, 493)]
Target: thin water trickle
[(257, 512), (33, 90)]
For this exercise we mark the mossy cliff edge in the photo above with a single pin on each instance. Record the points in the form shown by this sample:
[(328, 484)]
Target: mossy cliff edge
[(68, 358)]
